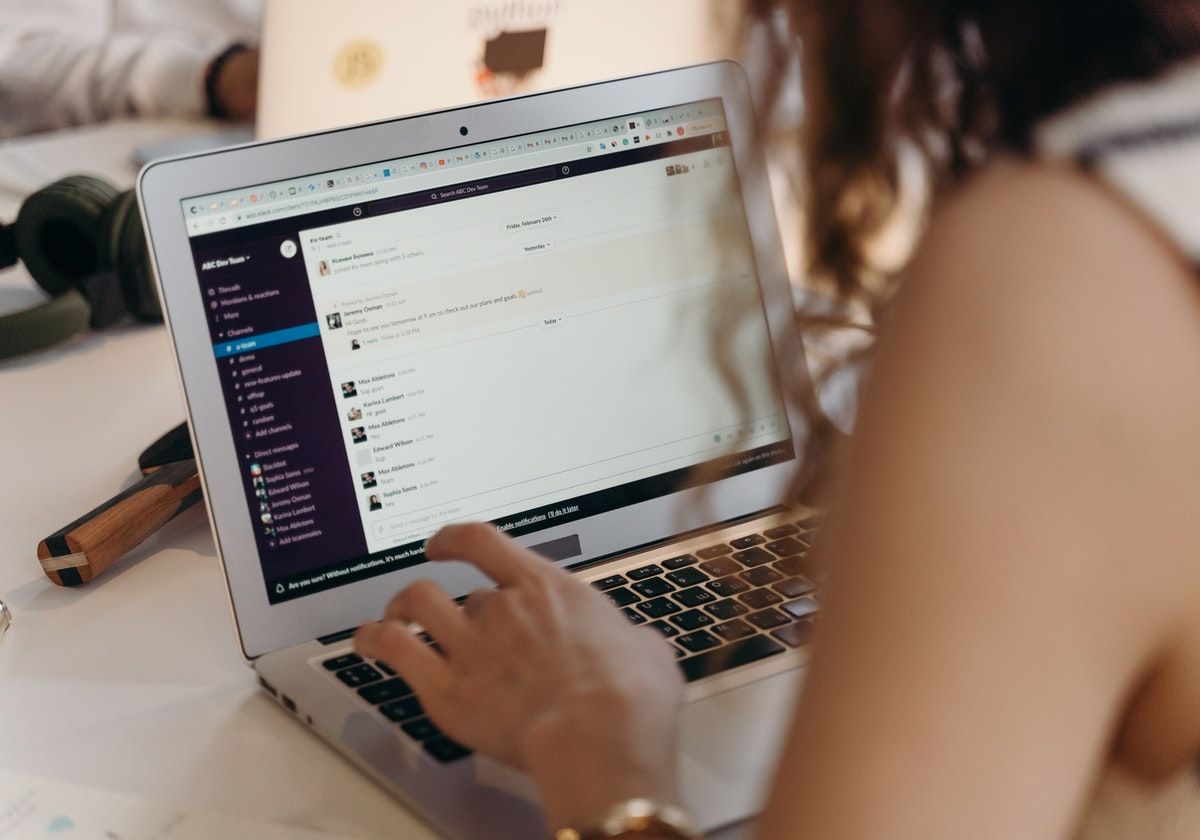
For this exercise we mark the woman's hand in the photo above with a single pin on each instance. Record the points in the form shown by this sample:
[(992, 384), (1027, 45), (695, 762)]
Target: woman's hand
[(543, 674)]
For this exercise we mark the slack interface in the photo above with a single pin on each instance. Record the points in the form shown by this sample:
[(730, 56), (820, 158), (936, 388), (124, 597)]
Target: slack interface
[(529, 331)]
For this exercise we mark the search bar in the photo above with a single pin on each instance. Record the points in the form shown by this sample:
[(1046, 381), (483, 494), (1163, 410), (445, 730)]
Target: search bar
[(467, 189)]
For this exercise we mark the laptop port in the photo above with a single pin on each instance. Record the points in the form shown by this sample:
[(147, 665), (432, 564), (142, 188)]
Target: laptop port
[(288, 703)]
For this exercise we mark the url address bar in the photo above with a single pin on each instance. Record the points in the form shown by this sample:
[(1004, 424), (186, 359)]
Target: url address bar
[(310, 203)]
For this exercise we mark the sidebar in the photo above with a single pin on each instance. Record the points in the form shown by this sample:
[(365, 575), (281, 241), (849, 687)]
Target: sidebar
[(275, 380)]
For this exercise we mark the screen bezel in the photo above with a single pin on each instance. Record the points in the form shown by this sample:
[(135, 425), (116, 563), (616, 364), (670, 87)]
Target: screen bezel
[(162, 185)]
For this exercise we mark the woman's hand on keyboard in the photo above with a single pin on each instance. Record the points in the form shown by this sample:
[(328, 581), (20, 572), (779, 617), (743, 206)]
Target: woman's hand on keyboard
[(542, 673)]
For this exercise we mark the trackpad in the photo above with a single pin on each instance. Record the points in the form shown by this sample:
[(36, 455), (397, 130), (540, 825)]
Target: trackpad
[(730, 744)]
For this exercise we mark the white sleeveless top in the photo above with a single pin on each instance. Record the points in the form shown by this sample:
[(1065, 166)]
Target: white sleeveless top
[(1142, 141)]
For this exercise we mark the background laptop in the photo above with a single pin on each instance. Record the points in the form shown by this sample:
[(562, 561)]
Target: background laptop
[(500, 312), (327, 64)]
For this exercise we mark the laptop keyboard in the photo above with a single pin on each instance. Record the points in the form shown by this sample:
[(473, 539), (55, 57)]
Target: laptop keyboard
[(378, 684), (728, 604), (719, 607)]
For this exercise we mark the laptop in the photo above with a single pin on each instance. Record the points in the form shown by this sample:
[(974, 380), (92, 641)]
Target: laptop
[(325, 65), (499, 312)]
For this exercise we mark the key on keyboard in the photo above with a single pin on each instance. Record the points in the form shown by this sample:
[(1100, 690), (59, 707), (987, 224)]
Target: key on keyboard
[(698, 641), (359, 675), (756, 599), (687, 577), (343, 661), (802, 607), (644, 572), (794, 587), (694, 597), (727, 609), (753, 556), (787, 546), (768, 619), (797, 634), (747, 541), (382, 692), (634, 617), (658, 607), (652, 587), (610, 582), (403, 709), (760, 576), (444, 750), (664, 628), (691, 620), (420, 729), (679, 562), (622, 597), (726, 586), (720, 567), (733, 630), (713, 551), (797, 565)]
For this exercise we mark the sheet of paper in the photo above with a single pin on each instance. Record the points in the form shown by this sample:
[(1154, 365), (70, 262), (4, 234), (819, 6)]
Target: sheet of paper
[(32, 808)]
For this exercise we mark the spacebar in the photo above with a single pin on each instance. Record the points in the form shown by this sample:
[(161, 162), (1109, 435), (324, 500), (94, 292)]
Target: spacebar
[(739, 653)]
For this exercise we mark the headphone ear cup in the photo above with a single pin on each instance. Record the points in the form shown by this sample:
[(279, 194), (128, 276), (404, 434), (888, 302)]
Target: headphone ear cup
[(128, 253), (59, 232)]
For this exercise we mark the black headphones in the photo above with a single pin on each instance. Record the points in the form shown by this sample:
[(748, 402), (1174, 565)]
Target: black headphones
[(81, 240)]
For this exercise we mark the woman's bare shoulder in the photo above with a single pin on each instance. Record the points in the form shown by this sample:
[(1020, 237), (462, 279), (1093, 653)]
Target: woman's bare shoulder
[(1043, 274), (1014, 540), (1042, 297)]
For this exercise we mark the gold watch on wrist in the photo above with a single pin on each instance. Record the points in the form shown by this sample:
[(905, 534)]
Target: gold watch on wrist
[(635, 818)]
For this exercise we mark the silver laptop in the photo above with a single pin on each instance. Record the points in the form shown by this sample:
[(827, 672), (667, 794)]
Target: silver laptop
[(502, 312)]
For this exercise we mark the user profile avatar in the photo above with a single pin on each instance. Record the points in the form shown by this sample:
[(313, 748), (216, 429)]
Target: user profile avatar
[(323, 268), (358, 434), (348, 390), (368, 480), (256, 470), (373, 503), (260, 482), (334, 320), (266, 518), (354, 414), (354, 345), (260, 492), (263, 507)]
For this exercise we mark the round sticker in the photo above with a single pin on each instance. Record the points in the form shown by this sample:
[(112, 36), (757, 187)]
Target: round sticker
[(288, 248), (358, 63)]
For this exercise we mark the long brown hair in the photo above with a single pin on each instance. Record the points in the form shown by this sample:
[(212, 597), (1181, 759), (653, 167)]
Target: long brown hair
[(956, 79), (952, 81)]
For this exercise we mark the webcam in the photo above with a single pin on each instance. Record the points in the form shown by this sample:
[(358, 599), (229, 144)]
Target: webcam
[(462, 129)]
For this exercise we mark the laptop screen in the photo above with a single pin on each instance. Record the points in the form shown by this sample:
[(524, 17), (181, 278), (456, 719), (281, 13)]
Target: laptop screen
[(518, 331)]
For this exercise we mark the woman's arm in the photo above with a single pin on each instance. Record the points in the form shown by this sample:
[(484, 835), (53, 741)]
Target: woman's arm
[(1007, 547)]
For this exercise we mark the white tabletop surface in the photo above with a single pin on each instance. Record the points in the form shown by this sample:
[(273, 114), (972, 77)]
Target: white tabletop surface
[(134, 682)]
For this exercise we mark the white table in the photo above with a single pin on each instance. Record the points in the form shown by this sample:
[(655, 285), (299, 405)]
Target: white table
[(134, 682)]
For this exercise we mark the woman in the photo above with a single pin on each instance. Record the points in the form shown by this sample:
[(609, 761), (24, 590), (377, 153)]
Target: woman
[(1014, 538)]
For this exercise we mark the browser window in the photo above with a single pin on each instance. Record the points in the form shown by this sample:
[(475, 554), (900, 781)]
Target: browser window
[(525, 339)]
